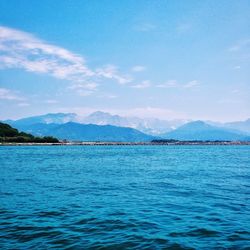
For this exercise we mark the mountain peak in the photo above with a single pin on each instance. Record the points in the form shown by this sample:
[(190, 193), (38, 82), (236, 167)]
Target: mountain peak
[(196, 125), (199, 130), (58, 118)]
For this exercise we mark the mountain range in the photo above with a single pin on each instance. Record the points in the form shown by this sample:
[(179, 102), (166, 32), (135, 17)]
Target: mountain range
[(58, 118), (199, 130), (148, 125), (243, 126), (151, 126), (102, 126), (84, 132)]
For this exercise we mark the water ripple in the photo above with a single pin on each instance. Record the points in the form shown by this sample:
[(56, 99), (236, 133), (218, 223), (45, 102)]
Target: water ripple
[(125, 197)]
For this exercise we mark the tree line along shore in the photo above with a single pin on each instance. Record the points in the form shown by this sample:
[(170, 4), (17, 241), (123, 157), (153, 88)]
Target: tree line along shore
[(12, 135)]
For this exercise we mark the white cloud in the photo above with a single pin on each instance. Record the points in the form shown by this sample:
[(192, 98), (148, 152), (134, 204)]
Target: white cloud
[(168, 84), (138, 68), (143, 85), (175, 84), (84, 85), (23, 50), (6, 94), (111, 72), (191, 84), (19, 49), (84, 88)]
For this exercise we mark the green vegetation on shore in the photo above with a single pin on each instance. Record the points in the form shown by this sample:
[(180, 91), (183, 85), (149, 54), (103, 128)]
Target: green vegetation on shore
[(9, 134)]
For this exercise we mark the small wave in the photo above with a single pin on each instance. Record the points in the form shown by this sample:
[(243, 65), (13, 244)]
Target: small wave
[(85, 221), (199, 232), (237, 237), (6, 194), (50, 214)]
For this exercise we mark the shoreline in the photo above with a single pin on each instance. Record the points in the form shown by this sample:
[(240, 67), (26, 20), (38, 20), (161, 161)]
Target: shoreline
[(178, 143)]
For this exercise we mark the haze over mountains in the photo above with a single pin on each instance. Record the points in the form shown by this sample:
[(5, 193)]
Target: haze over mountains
[(199, 130), (63, 126), (150, 125), (58, 118), (243, 126), (102, 126), (88, 132)]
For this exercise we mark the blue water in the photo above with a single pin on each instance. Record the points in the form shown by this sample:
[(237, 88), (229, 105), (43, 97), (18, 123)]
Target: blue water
[(125, 197)]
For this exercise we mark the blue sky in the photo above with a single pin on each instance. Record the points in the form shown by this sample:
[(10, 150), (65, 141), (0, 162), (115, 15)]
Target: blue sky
[(163, 59)]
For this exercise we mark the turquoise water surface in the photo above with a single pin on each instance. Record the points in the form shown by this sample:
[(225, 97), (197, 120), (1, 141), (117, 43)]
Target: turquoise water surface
[(125, 197)]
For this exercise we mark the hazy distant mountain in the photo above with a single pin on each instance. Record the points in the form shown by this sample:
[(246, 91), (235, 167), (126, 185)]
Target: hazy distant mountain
[(243, 126), (104, 118), (146, 125), (58, 118), (199, 130), (174, 129), (90, 132), (239, 125)]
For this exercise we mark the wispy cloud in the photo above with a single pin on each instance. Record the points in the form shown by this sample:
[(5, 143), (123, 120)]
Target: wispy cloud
[(175, 84), (7, 94), (23, 50), (240, 45), (138, 68), (191, 84), (84, 88), (145, 26), (142, 85), (85, 85), (111, 72), (168, 84), (19, 49), (107, 96)]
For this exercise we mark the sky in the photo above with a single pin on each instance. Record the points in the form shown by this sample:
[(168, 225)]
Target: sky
[(163, 59)]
